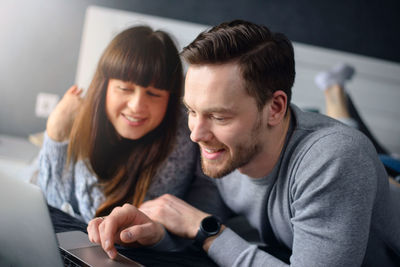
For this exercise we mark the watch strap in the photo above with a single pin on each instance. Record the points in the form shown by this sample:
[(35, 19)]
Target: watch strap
[(209, 226)]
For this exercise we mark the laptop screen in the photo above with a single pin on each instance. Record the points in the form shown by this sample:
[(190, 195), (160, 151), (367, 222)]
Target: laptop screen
[(27, 236)]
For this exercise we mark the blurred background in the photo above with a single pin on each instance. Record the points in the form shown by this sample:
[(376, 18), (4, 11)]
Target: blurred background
[(40, 42)]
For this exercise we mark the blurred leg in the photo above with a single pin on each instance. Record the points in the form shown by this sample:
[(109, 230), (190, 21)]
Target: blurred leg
[(339, 104)]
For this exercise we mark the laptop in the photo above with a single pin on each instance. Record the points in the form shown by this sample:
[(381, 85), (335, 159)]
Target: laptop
[(27, 236)]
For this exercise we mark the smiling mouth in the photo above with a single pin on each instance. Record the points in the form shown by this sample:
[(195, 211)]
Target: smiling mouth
[(211, 154), (209, 150), (132, 119)]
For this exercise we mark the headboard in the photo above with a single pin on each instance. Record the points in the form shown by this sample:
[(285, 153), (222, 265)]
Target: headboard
[(375, 88)]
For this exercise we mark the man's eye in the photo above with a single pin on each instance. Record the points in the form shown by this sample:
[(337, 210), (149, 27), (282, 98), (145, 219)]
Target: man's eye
[(221, 119)]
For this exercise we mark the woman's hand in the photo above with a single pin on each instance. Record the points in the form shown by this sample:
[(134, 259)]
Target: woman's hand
[(59, 123), (125, 225)]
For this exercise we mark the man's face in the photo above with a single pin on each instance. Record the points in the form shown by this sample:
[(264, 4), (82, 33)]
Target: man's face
[(224, 120)]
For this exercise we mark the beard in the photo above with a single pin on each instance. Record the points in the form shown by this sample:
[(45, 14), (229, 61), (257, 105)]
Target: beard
[(242, 156), (244, 153)]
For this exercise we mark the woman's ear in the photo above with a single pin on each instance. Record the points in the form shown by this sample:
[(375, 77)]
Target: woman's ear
[(276, 106)]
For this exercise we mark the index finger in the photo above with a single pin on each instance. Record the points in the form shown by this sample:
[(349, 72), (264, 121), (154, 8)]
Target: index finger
[(119, 219), (108, 231)]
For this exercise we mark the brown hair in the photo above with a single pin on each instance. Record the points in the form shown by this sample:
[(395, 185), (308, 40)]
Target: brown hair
[(125, 167), (266, 59)]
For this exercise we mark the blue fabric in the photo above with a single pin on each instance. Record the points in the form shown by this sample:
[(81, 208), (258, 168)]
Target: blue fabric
[(390, 162)]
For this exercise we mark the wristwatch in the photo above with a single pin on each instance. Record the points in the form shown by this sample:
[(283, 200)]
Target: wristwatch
[(209, 226)]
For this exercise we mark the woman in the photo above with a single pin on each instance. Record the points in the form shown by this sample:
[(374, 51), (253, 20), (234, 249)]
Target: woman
[(128, 141)]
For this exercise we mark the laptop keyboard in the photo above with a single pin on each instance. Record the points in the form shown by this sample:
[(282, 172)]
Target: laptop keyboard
[(70, 260)]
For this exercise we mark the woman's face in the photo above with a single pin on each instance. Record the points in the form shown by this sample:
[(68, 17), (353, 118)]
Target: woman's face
[(134, 110)]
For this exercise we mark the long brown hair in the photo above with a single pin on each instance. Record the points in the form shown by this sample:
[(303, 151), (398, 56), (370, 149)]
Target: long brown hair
[(125, 167)]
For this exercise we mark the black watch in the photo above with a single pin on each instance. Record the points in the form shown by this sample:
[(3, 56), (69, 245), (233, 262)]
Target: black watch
[(209, 226)]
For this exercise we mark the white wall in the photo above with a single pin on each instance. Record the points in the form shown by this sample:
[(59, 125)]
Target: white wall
[(32, 35)]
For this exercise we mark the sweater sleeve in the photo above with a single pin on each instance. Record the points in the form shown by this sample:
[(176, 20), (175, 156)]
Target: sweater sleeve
[(229, 249), (55, 182), (74, 189), (332, 197)]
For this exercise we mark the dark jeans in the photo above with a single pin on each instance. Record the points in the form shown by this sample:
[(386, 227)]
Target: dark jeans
[(392, 165)]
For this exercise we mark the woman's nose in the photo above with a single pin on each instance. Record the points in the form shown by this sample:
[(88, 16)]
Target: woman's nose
[(137, 101)]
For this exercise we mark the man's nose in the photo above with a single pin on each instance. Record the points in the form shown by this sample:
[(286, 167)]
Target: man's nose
[(200, 131)]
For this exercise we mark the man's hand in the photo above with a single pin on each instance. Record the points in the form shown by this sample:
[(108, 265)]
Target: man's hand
[(60, 121), (176, 215), (125, 225)]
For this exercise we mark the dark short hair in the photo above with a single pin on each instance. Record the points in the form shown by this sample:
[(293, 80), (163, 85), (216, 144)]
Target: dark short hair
[(265, 58)]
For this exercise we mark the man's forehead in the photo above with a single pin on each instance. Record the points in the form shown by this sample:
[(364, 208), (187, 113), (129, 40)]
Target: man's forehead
[(229, 70), (224, 79), (215, 88)]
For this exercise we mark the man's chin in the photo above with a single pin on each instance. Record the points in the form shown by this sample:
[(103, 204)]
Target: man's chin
[(215, 172)]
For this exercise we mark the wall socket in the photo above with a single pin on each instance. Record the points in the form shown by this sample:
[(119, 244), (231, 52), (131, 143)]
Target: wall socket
[(45, 103)]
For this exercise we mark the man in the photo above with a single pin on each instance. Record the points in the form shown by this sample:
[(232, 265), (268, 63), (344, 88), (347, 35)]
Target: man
[(311, 186)]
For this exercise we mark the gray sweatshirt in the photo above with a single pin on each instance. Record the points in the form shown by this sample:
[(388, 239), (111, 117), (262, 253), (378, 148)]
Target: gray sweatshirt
[(327, 200)]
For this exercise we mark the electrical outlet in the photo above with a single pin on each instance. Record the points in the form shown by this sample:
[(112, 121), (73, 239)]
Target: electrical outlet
[(45, 103)]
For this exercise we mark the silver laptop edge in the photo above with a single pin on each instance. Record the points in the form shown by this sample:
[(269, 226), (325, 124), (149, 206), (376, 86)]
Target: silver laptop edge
[(27, 236)]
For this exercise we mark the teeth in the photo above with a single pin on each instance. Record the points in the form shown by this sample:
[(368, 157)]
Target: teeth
[(132, 119), (210, 150)]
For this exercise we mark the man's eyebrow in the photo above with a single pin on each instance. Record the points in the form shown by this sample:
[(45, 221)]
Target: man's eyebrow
[(219, 110), (185, 104), (212, 110)]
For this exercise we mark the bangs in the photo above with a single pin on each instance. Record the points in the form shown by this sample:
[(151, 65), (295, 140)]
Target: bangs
[(138, 60)]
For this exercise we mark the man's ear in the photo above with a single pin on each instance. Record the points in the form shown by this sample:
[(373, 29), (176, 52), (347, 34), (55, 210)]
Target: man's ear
[(277, 106)]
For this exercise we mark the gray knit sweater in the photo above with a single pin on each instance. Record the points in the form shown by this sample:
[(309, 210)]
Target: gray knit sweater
[(75, 189)]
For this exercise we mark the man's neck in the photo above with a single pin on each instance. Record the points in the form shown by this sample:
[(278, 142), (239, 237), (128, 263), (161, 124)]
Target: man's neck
[(265, 161)]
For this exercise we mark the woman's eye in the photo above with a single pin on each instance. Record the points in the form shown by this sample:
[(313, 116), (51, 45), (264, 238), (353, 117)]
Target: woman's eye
[(152, 94), (123, 88)]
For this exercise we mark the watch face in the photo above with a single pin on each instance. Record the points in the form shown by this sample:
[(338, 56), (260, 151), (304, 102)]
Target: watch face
[(210, 225)]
